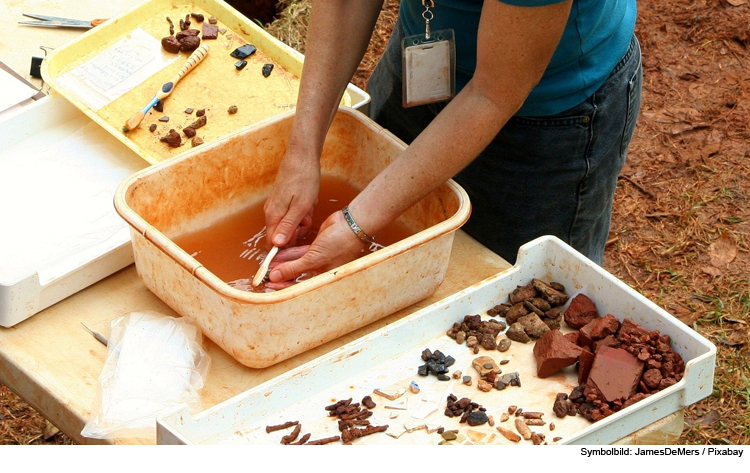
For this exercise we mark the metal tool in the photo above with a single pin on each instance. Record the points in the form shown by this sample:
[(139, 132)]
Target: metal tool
[(59, 22), (102, 339)]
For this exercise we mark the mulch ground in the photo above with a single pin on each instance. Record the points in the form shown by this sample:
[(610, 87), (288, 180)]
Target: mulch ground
[(681, 225)]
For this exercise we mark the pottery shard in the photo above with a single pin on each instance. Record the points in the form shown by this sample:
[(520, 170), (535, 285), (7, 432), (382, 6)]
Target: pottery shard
[(548, 293), (553, 352), (581, 311), (522, 293), (615, 373), (533, 325)]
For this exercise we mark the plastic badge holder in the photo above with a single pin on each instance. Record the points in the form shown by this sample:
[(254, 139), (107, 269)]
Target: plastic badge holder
[(429, 65)]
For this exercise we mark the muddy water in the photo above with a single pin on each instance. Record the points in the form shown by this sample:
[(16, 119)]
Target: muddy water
[(234, 247)]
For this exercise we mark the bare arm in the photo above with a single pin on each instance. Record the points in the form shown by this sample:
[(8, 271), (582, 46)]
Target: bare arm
[(338, 36), (514, 47)]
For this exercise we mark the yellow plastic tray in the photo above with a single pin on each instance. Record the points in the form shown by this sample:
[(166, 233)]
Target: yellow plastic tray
[(214, 85)]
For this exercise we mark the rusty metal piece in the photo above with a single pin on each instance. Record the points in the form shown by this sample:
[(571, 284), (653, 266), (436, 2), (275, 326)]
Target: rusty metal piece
[(285, 425)]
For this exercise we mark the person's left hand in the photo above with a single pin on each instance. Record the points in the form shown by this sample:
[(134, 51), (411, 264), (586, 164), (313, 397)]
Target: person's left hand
[(335, 245)]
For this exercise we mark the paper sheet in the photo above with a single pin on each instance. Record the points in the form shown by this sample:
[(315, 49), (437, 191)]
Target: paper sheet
[(117, 70)]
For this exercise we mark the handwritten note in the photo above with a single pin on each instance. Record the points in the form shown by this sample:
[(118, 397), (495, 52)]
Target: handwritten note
[(117, 70)]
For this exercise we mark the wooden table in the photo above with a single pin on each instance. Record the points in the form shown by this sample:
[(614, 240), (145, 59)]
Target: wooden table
[(52, 363)]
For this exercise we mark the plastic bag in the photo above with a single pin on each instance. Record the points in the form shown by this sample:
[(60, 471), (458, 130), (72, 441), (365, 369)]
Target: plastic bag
[(155, 365)]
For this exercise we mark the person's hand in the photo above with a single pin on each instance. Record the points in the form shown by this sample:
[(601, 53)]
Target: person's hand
[(289, 208), (335, 245)]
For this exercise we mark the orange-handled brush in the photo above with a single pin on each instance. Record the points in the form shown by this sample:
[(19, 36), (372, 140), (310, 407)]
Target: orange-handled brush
[(168, 87)]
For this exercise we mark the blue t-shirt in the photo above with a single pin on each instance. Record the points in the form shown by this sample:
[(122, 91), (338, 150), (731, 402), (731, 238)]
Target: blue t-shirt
[(596, 37)]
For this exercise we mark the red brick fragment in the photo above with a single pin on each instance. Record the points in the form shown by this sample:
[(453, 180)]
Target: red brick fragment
[(553, 352), (581, 311), (585, 362), (615, 373)]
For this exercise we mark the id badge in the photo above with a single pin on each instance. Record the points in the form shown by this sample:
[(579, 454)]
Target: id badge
[(429, 68)]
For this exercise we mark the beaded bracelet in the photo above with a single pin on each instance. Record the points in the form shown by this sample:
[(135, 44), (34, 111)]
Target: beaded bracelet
[(355, 228)]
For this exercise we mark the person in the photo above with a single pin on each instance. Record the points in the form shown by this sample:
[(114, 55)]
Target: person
[(548, 92)]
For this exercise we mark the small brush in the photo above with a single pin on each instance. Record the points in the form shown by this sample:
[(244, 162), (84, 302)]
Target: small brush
[(167, 88), (262, 275)]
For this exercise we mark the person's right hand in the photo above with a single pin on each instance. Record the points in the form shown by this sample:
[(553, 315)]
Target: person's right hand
[(289, 208)]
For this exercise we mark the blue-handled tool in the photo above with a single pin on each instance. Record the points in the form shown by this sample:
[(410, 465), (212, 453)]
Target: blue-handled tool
[(167, 87)]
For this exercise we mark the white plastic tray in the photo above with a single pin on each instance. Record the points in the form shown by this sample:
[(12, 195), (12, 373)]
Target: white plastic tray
[(390, 356), (58, 175)]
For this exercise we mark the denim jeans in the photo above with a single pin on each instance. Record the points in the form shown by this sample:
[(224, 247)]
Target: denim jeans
[(551, 175)]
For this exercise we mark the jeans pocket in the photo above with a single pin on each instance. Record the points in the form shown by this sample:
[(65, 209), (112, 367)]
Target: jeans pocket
[(635, 84)]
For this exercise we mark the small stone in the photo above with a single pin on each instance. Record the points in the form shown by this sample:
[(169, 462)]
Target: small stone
[(200, 112), (200, 122), (414, 387), (152, 128), (172, 139), (239, 65), (232, 110), (504, 417), (159, 106), (164, 119), (189, 132), (449, 435), (198, 17), (188, 111), (517, 334), (484, 386), (222, 30), (457, 374), (267, 68), (504, 344), (443, 377), (504, 362), (477, 418), (212, 20), (467, 380), (460, 337), (197, 141)]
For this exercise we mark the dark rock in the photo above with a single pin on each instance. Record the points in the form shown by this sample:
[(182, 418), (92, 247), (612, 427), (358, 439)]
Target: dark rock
[(522, 293), (517, 333), (477, 418), (517, 311), (170, 44), (243, 51), (548, 293), (533, 325)]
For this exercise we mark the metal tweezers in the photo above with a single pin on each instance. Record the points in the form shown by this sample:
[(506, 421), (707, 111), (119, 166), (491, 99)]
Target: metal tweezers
[(58, 22)]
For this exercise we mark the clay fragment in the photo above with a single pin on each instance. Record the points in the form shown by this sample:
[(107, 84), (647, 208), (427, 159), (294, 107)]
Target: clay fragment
[(184, 34), (368, 402), (267, 68), (232, 110), (243, 51), (190, 43), (170, 44), (200, 122), (553, 352), (585, 362), (210, 31), (172, 139), (580, 312)]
